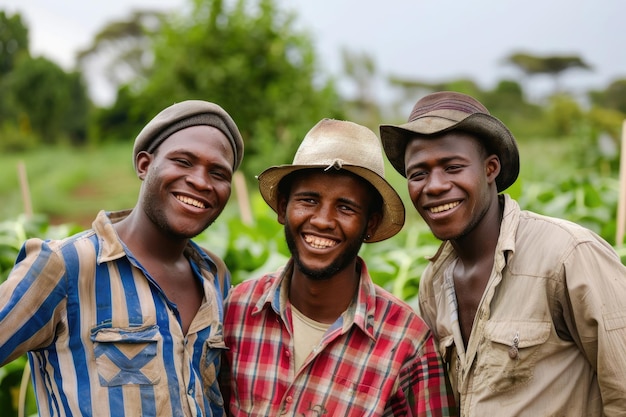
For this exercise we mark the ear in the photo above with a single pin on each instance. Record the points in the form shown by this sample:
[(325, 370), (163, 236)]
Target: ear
[(281, 208), (373, 222), (492, 168), (142, 162)]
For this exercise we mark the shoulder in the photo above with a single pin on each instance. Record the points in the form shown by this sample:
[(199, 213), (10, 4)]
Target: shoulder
[(77, 244), (395, 313), (554, 233), (252, 289)]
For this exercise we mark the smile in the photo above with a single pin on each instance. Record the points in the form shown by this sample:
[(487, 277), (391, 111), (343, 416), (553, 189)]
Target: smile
[(318, 242), (444, 207), (190, 201)]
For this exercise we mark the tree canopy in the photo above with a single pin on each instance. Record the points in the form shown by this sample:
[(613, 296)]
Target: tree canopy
[(245, 56)]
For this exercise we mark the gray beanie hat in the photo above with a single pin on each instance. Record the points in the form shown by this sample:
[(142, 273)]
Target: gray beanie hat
[(186, 114)]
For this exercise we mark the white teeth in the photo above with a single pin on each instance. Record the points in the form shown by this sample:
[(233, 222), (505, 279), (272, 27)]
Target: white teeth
[(319, 243), (444, 207), (190, 201)]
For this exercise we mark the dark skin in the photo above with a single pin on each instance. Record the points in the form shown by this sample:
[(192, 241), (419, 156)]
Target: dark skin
[(186, 184), (451, 182), (327, 215)]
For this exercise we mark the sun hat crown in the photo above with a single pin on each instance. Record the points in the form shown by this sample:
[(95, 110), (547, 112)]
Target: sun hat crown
[(337, 143), (341, 145)]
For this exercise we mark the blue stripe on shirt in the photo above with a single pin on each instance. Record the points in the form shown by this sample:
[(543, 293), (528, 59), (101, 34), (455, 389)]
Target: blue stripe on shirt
[(76, 343)]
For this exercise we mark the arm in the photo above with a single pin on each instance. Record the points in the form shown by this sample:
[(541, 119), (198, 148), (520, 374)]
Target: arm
[(424, 383), (31, 300), (596, 291)]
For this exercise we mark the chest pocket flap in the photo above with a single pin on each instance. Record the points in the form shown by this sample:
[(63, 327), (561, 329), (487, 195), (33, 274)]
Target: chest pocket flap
[(127, 355)]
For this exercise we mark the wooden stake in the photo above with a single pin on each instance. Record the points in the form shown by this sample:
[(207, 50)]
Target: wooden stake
[(621, 203), (28, 206), (242, 197)]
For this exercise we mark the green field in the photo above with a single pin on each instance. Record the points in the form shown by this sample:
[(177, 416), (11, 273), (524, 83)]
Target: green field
[(71, 185)]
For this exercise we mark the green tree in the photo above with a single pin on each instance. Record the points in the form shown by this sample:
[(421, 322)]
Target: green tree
[(13, 41), (553, 65), (247, 57), (13, 48), (49, 101), (122, 49), (614, 97), (360, 70)]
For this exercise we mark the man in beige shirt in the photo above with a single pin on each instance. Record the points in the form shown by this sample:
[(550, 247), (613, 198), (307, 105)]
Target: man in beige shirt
[(529, 312)]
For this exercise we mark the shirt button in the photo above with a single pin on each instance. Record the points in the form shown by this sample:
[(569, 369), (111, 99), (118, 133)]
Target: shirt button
[(287, 353), (190, 391), (289, 399)]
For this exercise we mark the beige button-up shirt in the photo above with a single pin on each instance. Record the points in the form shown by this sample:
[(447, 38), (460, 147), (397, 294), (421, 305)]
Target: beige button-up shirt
[(549, 336)]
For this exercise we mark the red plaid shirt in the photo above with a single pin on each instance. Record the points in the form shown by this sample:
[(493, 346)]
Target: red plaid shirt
[(377, 359)]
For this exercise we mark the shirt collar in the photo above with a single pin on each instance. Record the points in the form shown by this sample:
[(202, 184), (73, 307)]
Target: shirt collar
[(360, 313), (112, 248)]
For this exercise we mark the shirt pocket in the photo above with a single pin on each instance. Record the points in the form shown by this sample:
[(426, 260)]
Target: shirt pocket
[(214, 348), (446, 349), (127, 356), (363, 397), (510, 354)]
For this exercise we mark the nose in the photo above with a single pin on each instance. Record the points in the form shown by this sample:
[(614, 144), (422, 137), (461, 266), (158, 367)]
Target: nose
[(200, 179), (322, 217), (437, 182)]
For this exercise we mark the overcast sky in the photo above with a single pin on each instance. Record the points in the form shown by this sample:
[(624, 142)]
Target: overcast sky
[(431, 40)]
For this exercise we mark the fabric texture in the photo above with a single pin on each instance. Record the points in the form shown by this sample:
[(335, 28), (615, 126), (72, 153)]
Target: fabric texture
[(377, 359), (446, 111), (549, 336), (103, 340), (341, 145), (185, 114)]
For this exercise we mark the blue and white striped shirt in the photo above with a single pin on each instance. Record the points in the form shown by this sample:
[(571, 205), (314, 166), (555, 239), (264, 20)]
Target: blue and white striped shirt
[(102, 337)]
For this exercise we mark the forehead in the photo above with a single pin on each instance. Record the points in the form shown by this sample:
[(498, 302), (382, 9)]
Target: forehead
[(454, 142)]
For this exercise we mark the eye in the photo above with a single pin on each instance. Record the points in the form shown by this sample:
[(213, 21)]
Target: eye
[(182, 161), (220, 174), (454, 168), (417, 175)]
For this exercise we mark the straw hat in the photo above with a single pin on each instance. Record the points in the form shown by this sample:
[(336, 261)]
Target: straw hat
[(342, 145), (446, 111)]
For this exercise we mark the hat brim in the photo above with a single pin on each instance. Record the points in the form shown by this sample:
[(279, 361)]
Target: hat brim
[(488, 129), (393, 207)]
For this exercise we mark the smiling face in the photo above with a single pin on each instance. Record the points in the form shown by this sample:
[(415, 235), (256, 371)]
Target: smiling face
[(326, 217), (451, 182), (187, 180)]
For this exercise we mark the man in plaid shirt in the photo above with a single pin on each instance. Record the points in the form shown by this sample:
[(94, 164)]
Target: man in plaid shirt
[(318, 337)]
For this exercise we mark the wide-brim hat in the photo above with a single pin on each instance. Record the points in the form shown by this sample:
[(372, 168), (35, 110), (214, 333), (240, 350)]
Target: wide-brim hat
[(342, 145), (445, 111)]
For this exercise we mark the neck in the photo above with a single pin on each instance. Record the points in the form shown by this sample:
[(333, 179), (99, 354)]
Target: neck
[(482, 240), (324, 300), (145, 240)]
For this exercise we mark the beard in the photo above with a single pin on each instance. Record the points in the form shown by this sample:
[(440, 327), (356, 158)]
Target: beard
[(344, 259)]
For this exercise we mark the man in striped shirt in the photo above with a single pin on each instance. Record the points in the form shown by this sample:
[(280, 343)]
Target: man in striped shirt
[(318, 337), (125, 319)]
